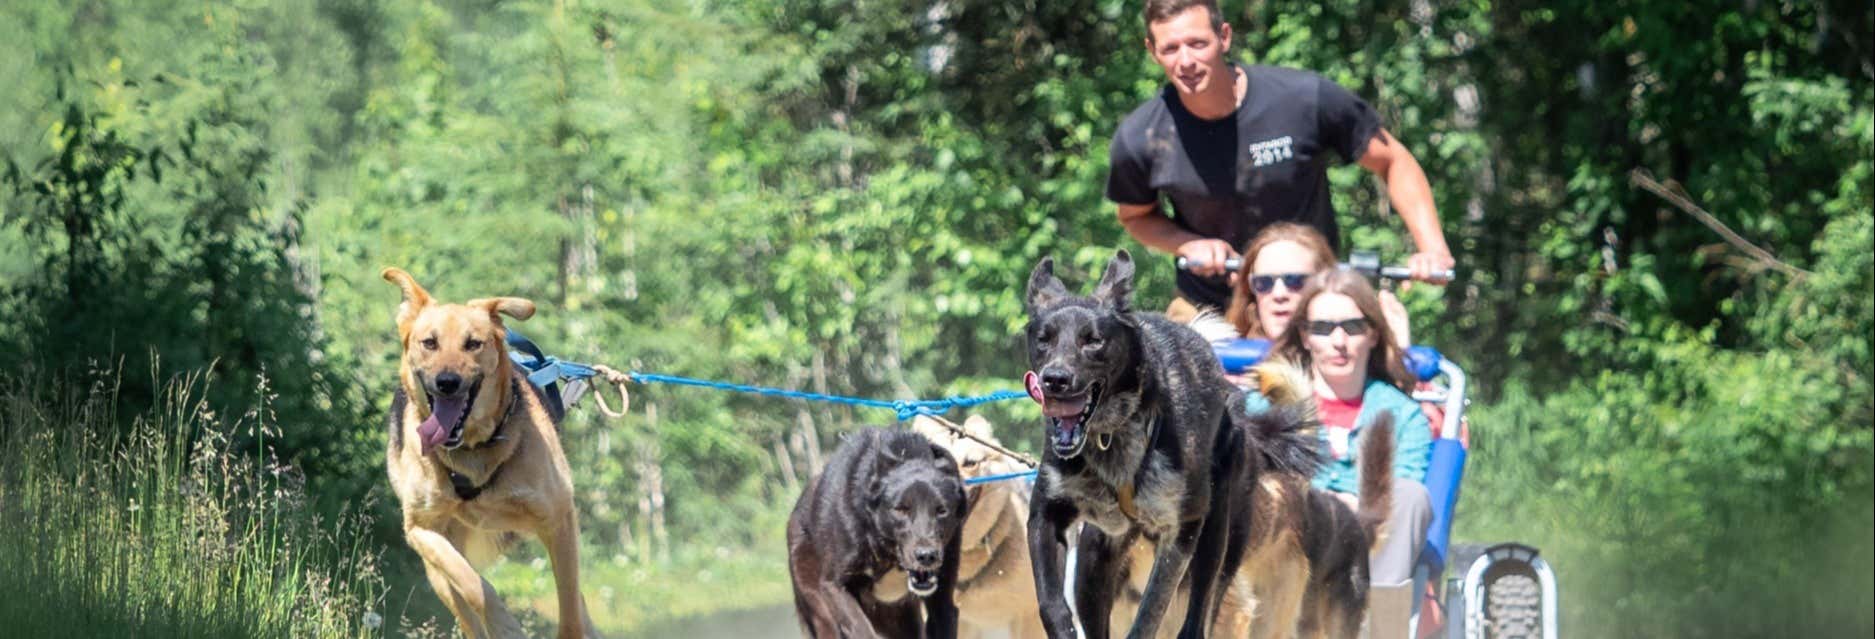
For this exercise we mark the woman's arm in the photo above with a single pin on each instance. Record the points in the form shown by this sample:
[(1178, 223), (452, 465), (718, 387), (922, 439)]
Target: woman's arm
[(1412, 443)]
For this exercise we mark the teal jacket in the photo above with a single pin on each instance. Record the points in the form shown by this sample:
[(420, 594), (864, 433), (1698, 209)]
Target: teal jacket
[(1412, 437)]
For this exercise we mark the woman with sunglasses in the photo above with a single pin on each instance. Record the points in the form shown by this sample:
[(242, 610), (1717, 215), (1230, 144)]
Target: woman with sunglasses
[(1279, 261), (1341, 338)]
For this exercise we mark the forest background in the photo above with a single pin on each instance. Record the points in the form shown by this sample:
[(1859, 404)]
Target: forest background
[(846, 197)]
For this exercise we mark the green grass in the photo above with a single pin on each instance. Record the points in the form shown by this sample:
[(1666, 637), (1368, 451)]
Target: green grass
[(627, 597), (153, 527)]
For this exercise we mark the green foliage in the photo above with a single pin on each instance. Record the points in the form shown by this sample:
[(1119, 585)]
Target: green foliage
[(158, 531), (847, 198)]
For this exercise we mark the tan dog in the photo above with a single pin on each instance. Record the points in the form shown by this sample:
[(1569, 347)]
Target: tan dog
[(1304, 543), (474, 458), (995, 584), (1305, 573)]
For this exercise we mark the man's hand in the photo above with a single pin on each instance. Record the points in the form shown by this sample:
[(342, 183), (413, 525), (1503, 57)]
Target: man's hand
[(1206, 256), (1411, 196), (1430, 266)]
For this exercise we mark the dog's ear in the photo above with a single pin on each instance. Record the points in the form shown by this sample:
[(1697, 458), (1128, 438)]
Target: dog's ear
[(978, 426), (1116, 285), (944, 461), (514, 307), (415, 298), (875, 494), (1044, 288), (925, 425)]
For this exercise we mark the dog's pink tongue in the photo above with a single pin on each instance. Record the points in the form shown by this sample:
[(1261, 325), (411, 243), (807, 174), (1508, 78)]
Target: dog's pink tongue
[(1059, 408), (444, 415)]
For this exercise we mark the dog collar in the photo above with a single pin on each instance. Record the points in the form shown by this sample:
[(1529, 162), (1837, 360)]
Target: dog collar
[(1126, 501), (1125, 493), (466, 490)]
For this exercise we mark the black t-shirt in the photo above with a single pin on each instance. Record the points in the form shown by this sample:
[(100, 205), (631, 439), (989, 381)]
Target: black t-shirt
[(1228, 178)]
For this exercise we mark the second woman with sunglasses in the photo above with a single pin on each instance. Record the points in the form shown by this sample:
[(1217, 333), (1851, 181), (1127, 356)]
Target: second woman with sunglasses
[(1341, 338)]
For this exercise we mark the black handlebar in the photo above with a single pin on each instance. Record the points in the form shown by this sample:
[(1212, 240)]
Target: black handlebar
[(1232, 264), (1363, 261)]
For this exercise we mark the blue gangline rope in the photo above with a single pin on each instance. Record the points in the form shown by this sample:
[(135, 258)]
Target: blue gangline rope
[(543, 369), (904, 408), (990, 478)]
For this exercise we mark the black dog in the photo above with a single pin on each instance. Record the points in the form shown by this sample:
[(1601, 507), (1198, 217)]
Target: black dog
[(1166, 461), (878, 526)]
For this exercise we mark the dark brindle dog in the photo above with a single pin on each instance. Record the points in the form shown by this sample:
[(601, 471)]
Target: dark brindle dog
[(877, 527), (1140, 445)]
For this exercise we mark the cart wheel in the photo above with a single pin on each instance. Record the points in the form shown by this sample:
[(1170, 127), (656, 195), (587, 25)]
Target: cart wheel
[(1514, 607), (1507, 592)]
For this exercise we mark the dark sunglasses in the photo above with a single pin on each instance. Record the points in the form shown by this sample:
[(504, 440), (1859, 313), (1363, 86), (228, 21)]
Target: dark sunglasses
[(1355, 327), (1263, 284)]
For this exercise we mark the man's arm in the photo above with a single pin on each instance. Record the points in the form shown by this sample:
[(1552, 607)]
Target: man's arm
[(1411, 195), (1145, 223)]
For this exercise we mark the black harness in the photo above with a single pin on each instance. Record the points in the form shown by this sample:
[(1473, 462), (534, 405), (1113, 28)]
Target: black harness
[(465, 490)]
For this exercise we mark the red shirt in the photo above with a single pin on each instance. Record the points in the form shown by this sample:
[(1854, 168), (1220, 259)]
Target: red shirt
[(1338, 419)]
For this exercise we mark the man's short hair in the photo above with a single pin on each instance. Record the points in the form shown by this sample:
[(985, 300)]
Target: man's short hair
[(1162, 10)]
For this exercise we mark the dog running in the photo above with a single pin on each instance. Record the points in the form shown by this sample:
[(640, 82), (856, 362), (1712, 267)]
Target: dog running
[(1304, 567), (876, 534), (1139, 445), (474, 457), (1285, 452), (995, 588)]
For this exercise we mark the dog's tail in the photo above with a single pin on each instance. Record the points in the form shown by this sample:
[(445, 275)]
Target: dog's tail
[(1376, 476), (1283, 433), (1213, 327), (1284, 383)]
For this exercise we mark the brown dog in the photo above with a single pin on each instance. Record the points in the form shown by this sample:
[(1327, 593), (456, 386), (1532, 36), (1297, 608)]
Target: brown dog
[(995, 586), (1306, 569), (1305, 559), (475, 458)]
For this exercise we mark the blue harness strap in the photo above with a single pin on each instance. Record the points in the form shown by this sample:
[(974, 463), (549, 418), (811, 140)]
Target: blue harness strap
[(545, 371)]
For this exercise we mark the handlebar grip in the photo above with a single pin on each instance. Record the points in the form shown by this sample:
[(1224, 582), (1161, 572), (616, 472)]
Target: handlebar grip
[(1403, 273), (1232, 264)]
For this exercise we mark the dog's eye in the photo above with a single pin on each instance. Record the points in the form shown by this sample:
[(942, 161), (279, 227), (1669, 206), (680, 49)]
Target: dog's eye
[(429, 344), (944, 511), (970, 463), (902, 511), (472, 344)]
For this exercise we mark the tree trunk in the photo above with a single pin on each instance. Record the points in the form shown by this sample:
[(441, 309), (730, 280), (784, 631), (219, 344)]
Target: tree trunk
[(786, 463), (808, 430), (651, 500)]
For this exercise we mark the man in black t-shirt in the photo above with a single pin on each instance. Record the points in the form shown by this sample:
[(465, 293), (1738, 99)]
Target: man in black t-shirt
[(1236, 147)]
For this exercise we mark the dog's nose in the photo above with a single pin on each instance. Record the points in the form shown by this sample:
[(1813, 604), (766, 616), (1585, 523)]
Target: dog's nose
[(926, 557), (447, 383), (1055, 380)]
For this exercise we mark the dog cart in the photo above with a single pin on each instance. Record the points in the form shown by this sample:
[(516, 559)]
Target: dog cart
[(1495, 591)]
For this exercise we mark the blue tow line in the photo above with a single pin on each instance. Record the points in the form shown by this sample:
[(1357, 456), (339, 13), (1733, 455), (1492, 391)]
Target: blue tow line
[(545, 370), (905, 408), (990, 478)]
